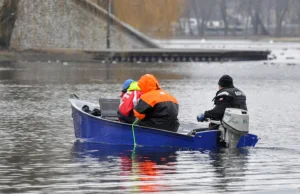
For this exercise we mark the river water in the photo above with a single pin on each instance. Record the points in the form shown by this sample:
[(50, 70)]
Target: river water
[(39, 154)]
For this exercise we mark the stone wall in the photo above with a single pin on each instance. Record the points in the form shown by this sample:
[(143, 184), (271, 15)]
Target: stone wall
[(51, 24)]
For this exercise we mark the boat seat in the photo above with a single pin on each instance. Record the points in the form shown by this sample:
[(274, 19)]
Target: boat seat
[(109, 108)]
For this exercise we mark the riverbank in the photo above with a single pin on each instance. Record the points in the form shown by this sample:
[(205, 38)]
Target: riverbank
[(44, 55)]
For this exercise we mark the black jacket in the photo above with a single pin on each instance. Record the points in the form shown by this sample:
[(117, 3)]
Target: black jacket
[(158, 109), (226, 98)]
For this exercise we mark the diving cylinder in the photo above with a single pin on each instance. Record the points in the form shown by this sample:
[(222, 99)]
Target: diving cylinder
[(236, 124)]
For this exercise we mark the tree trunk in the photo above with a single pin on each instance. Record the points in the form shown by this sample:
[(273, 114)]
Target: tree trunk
[(197, 16), (248, 16), (299, 17), (258, 25), (269, 21), (223, 7), (8, 16), (281, 10), (202, 10), (264, 30), (206, 11), (189, 24), (278, 27), (257, 5)]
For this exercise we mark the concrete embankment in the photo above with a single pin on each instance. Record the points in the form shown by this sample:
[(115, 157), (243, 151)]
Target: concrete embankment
[(72, 24)]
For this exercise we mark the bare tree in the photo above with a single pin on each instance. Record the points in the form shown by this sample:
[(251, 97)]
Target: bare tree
[(256, 18), (245, 9), (298, 9), (223, 9), (202, 10), (8, 16), (281, 10)]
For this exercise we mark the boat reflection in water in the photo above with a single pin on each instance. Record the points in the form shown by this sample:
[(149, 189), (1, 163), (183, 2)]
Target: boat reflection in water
[(150, 169), (146, 166)]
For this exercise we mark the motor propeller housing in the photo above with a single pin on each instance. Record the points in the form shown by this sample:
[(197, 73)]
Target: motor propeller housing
[(236, 124)]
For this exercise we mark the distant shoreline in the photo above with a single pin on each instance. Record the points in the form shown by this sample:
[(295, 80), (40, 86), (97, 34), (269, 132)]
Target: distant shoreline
[(237, 38)]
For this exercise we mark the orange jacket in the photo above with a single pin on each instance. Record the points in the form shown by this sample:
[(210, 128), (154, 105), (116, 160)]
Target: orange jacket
[(156, 108)]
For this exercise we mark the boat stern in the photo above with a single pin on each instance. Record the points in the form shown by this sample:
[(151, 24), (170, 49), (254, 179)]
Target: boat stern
[(248, 140)]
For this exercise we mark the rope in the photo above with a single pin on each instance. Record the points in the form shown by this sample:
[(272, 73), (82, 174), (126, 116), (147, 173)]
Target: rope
[(133, 155), (134, 143), (133, 134)]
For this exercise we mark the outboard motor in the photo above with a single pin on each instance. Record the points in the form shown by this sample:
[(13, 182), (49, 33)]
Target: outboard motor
[(236, 124)]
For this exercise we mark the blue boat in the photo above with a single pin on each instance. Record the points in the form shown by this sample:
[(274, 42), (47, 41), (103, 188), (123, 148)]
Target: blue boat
[(106, 130)]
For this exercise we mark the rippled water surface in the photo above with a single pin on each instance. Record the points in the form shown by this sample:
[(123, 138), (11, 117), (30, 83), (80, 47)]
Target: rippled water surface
[(39, 154)]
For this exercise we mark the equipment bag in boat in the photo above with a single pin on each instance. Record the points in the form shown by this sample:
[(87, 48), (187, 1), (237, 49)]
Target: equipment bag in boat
[(94, 112)]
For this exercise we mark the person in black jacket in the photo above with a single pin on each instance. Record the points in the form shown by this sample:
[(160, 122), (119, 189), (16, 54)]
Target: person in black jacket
[(227, 97)]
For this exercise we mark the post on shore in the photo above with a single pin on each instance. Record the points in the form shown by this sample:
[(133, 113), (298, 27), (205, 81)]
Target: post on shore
[(108, 24)]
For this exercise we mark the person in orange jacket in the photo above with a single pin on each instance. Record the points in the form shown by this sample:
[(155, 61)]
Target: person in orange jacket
[(156, 108)]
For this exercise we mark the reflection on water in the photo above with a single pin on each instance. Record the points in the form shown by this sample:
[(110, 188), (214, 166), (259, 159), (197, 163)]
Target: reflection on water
[(230, 167), (139, 164), (151, 168), (38, 153)]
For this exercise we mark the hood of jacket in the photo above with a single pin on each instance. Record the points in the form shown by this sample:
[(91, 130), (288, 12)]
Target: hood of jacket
[(148, 83), (133, 86)]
